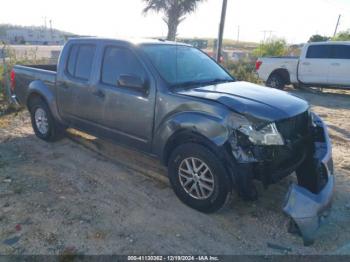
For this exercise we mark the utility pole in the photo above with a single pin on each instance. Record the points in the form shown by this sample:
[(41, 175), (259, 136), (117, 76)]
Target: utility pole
[(336, 27), (45, 25), (221, 30), (265, 33), (6, 90)]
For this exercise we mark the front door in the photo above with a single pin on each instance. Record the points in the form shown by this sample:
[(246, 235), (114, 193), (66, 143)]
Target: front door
[(340, 66), (127, 112)]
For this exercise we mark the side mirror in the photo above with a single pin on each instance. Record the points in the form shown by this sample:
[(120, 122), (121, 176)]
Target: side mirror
[(133, 82)]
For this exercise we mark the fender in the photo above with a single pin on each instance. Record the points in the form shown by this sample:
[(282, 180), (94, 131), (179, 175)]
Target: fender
[(208, 127), (38, 87)]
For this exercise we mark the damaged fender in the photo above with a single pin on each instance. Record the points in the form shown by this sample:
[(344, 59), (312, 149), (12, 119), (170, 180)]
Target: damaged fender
[(305, 208)]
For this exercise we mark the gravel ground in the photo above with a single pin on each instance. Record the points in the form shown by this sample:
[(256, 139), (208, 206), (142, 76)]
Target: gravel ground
[(86, 196)]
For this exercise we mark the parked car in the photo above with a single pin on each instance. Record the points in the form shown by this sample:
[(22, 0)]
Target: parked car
[(174, 102), (322, 64)]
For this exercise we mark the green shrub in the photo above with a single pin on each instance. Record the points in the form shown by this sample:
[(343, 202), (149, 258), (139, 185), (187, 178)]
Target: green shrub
[(243, 70), (272, 47)]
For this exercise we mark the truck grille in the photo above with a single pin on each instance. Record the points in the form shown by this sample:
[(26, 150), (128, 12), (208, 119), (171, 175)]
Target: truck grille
[(295, 127)]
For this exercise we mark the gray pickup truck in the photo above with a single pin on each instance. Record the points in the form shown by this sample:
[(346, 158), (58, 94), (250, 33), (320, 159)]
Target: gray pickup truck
[(173, 102)]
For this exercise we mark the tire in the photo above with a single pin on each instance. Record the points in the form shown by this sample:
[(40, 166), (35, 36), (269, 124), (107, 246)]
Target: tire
[(199, 196), (275, 81), (43, 123), (296, 86)]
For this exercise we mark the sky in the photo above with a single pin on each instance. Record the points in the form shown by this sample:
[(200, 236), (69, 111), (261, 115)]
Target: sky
[(293, 20)]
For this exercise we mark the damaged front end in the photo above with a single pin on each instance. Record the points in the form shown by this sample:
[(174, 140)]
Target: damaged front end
[(309, 201), (274, 151)]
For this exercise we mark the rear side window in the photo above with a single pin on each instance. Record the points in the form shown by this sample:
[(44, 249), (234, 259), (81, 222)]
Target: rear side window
[(319, 51), (120, 61), (341, 51), (80, 61)]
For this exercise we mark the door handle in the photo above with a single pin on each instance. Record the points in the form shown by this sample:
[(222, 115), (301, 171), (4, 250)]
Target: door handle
[(64, 85), (99, 93), (335, 64), (306, 63)]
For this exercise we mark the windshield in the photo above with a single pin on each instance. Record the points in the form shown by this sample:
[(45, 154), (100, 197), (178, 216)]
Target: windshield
[(183, 65)]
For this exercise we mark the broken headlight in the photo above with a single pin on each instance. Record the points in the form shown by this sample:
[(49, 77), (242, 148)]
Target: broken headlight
[(265, 135)]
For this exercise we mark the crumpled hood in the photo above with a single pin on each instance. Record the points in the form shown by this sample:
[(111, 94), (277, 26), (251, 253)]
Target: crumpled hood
[(250, 99)]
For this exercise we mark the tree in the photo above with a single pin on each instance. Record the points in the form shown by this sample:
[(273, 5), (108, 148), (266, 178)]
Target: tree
[(174, 11), (318, 38), (272, 47), (342, 36)]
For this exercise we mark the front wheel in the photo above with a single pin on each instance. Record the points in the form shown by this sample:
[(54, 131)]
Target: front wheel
[(199, 178)]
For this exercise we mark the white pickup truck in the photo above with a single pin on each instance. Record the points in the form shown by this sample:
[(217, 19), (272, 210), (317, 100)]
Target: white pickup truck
[(321, 64)]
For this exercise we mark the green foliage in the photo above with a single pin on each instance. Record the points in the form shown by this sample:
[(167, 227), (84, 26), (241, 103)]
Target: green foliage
[(243, 70), (272, 47), (30, 57), (342, 36), (318, 38), (174, 12)]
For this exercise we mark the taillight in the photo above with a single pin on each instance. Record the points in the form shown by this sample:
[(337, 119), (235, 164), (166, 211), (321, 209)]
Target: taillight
[(13, 81), (257, 65)]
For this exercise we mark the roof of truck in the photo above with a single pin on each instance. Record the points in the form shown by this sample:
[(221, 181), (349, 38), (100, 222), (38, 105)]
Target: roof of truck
[(133, 41), (330, 43)]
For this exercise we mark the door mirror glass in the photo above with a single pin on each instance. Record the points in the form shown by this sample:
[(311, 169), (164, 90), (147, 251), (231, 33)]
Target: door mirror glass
[(133, 82)]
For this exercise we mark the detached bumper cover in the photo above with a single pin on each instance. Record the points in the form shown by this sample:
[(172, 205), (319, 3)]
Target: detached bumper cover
[(304, 207)]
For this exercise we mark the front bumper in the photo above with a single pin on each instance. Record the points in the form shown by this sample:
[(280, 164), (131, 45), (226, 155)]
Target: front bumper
[(304, 207)]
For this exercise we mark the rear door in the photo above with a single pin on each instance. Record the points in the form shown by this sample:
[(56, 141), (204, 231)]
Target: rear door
[(314, 67), (127, 112), (78, 101), (340, 66)]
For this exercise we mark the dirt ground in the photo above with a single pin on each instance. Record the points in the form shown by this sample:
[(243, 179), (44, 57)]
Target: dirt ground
[(85, 196)]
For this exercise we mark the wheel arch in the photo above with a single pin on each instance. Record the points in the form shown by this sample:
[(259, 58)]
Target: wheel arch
[(38, 89), (184, 136), (186, 127), (283, 73)]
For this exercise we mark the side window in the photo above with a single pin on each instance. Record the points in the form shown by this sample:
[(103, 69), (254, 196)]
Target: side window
[(80, 61), (119, 61), (341, 51), (319, 51), (72, 59)]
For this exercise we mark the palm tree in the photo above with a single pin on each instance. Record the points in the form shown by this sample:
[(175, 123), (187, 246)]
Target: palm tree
[(174, 11)]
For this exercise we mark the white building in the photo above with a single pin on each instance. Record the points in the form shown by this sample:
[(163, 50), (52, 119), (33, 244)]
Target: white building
[(35, 36)]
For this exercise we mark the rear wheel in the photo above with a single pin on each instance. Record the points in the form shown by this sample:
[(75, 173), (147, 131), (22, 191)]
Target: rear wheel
[(199, 178), (43, 123), (275, 81)]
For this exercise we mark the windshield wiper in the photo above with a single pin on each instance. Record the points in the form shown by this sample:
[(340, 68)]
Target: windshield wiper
[(188, 84), (217, 81), (202, 82)]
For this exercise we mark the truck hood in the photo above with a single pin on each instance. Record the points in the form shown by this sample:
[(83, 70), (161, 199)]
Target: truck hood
[(251, 100)]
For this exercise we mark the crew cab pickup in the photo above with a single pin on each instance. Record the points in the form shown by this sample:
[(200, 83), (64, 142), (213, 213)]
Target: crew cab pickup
[(321, 64), (174, 102)]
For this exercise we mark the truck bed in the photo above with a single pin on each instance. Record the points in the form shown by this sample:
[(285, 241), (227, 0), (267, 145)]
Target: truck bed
[(25, 74), (269, 64), (52, 68)]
